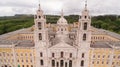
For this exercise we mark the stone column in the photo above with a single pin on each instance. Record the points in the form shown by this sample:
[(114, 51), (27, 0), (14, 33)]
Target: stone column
[(55, 63), (67, 63)]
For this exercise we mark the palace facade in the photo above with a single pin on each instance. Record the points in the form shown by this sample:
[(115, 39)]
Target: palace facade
[(60, 45)]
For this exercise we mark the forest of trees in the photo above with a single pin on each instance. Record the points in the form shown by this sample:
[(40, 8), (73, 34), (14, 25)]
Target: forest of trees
[(12, 23)]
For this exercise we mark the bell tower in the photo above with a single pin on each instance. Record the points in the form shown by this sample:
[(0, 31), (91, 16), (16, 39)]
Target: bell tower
[(41, 38), (84, 31), (40, 29), (84, 38)]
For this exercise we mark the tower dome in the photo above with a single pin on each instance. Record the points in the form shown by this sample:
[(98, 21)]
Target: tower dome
[(62, 20)]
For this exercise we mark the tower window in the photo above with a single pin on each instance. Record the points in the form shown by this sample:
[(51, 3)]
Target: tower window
[(40, 36), (39, 25), (39, 16), (84, 37), (62, 54), (41, 62), (85, 26), (82, 63)]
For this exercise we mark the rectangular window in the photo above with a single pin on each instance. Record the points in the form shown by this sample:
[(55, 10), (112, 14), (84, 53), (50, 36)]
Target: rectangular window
[(85, 26), (62, 54), (53, 54), (41, 62)]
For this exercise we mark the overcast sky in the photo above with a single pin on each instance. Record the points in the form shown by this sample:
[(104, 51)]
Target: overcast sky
[(96, 7)]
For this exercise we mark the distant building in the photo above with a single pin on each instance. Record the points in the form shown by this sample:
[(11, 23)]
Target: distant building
[(60, 45)]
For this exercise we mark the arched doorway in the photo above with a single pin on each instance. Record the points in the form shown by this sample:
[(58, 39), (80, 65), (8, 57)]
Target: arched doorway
[(65, 64), (70, 63), (53, 63), (82, 63), (61, 63)]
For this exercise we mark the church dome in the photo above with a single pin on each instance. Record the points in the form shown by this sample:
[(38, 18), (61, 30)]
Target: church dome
[(62, 21)]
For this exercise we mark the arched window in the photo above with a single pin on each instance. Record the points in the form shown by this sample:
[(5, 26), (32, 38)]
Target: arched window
[(39, 25), (39, 16), (53, 63), (41, 62), (82, 63), (70, 63), (61, 63), (40, 36), (85, 26), (62, 54), (84, 37)]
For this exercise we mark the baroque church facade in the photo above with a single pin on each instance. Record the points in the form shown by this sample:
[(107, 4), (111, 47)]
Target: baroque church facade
[(60, 45), (63, 47)]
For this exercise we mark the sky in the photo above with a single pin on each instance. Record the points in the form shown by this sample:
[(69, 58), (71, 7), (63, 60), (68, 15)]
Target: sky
[(54, 7)]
